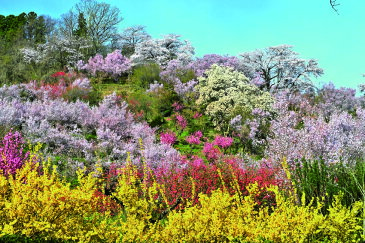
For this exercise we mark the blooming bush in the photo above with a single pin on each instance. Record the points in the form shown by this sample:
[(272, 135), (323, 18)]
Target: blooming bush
[(12, 154), (45, 207), (183, 75), (80, 131), (114, 64), (168, 138), (303, 130), (236, 95)]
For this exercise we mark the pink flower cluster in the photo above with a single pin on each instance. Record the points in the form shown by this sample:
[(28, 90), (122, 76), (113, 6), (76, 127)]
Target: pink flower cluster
[(194, 138), (181, 121), (177, 106), (210, 151), (114, 63), (223, 142), (197, 115), (12, 156), (168, 138)]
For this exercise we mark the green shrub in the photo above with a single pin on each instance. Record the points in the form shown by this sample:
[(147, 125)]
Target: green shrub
[(151, 107), (25, 239), (144, 75), (316, 179)]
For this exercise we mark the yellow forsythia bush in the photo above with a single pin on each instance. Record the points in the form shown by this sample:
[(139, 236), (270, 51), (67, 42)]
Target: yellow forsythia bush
[(140, 203), (221, 217), (41, 205), (224, 218)]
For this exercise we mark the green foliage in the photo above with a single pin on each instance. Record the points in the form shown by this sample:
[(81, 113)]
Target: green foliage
[(144, 75), (225, 93), (25, 239), (74, 94), (11, 27), (151, 107), (106, 89), (186, 75), (17, 32), (13, 69), (81, 30), (316, 179)]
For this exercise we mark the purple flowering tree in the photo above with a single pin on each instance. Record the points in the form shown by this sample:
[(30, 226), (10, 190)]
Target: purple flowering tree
[(65, 127), (304, 130), (114, 64), (334, 100)]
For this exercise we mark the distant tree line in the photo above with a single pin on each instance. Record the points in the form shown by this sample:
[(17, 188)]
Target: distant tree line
[(34, 46)]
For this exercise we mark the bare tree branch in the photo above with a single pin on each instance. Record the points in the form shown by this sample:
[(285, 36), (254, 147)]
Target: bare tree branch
[(334, 5)]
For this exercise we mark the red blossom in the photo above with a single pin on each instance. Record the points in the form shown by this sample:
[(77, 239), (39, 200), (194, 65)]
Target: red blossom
[(57, 74)]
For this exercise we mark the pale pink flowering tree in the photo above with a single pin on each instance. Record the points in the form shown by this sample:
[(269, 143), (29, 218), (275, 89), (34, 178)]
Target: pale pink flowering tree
[(114, 64), (281, 68)]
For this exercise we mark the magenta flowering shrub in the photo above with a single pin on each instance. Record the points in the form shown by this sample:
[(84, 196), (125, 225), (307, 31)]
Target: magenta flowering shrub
[(168, 138), (223, 142), (181, 121), (114, 64), (195, 135), (12, 154), (211, 152), (195, 138), (177, 106)]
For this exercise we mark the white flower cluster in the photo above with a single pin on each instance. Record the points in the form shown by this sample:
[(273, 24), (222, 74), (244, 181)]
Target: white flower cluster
[(226, 93)]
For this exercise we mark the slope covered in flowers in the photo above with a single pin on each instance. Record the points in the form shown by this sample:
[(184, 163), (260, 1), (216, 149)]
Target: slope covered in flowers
[(191, 150)]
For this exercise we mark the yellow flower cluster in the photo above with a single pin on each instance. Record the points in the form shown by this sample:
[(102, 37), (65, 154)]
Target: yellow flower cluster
[(224, 218), (42, 205)]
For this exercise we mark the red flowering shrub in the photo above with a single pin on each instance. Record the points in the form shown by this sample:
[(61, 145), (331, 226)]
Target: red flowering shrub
[(103, 203), (58, 74), (178, 182)]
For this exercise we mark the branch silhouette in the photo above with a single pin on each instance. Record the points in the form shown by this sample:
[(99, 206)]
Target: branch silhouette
[(334, 5)]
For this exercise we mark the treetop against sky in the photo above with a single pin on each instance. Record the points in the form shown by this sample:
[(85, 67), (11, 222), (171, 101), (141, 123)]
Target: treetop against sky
[(233, 27)]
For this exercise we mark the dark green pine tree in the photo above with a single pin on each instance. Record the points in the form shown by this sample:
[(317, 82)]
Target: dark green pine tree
[(11, 28), (30, 26), (81, 30), (40, 30)]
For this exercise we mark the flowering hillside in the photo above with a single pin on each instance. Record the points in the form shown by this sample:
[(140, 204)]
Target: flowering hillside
[(121, 137)]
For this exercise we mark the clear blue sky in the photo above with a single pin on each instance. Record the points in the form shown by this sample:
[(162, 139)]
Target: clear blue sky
[(235, 26)]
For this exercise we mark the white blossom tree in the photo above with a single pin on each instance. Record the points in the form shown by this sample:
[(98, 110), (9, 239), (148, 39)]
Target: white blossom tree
[(225, 93), (57, 52), (161, 51), (130, 37), (281, 68)]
